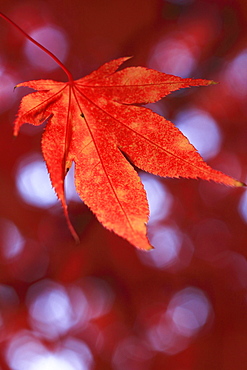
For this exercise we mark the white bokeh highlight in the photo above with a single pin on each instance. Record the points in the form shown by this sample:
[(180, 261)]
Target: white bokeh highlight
[(173, 56), (159, 197), (54, 39), (187, 313), (33, 183), (167, 242), (236, 75), (189, 310), (34, 186), (202, 131), (11, 240), (26, 352), (242, 207), (52, 311)]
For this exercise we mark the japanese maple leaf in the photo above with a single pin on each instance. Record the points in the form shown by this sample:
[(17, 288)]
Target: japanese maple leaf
[(95, 123)]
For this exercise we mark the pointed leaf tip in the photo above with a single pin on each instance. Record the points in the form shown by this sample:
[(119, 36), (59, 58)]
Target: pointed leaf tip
[(211, 82), (73, 232), (240, 184)]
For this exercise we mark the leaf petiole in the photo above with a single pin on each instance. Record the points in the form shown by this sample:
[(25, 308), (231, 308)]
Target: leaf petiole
[(61, 65)]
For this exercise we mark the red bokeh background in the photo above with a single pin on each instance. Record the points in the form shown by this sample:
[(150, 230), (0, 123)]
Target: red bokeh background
[(102, 304)]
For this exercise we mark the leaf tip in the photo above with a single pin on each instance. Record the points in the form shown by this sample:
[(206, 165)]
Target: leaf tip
[(211, 82), (70, 226), (146, 247), (240, 184), (16, 131), (73, 233), (18, 85)]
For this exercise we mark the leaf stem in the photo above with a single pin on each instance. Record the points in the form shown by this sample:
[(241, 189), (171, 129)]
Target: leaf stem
[(61, 65)]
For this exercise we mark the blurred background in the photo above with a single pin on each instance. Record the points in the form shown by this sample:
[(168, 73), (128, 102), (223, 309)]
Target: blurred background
[(103, 304)]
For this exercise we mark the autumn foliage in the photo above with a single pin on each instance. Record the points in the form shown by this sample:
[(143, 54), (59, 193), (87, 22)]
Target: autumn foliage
[(101, 303), (92, 122)]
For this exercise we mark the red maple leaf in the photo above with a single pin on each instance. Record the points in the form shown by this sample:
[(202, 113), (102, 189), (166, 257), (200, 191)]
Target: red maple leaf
[(94, 123)]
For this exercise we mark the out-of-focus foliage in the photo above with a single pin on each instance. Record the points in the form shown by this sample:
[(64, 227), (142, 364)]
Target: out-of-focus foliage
[(101, 304)]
